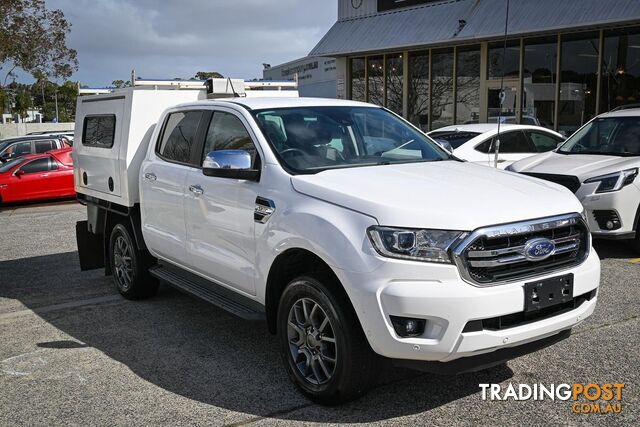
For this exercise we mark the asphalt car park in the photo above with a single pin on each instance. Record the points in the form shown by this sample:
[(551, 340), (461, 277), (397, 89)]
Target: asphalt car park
[(73, 351)]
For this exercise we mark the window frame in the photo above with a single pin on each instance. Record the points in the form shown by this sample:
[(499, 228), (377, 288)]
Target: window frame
[(523, 135), (54, 143), (257, 162), (84, 131), (48, 159), (13, 144), (201, 130)]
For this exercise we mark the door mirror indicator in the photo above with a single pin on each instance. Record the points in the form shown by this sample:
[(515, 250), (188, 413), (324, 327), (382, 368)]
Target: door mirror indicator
[(235, 164)]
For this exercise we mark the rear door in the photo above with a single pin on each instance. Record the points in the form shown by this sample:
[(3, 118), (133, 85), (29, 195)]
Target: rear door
[(100, 130), (219, 212), (162, 184)]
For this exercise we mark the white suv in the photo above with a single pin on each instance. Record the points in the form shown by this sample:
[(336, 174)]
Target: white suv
[(600, 164), (352, 233)]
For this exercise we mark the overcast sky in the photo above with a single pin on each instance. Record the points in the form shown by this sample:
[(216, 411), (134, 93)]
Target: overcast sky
[(177, 38)]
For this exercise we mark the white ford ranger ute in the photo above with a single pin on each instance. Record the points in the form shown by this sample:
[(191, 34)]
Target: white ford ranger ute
[(354, 235)]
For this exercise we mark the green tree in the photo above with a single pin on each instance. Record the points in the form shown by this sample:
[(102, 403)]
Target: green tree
[(22, 103), (34, 39), (204, 75)]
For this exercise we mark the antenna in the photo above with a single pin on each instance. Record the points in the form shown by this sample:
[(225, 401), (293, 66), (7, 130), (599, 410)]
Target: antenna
[(502, 94)]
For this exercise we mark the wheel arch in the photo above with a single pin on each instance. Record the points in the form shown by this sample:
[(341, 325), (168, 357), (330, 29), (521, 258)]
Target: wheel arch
[(292, 263)]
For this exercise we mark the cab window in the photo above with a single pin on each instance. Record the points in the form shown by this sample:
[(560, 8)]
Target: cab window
[(17, 149), (179, 136), (226, 132), (510, 142), (44, 146), (36, 166)]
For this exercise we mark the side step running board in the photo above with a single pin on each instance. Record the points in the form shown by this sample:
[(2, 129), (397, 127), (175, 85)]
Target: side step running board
[(210, 292)]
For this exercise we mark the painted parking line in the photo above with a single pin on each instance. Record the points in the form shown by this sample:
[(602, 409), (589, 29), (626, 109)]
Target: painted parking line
[(635, 261)]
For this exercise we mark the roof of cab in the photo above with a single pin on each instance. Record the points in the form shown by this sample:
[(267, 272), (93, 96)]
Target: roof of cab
[(264, 103)]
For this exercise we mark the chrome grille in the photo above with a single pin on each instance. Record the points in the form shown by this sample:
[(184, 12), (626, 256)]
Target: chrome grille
[(496, 255)]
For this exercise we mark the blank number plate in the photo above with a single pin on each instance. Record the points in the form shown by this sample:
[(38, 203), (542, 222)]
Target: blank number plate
[(548, 292)]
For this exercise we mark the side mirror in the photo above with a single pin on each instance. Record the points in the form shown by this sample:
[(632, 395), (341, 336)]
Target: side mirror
[(19, 173), (235, 164)]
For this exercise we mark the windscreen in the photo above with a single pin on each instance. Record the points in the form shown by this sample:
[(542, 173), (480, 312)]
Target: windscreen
[(312, 139), (615, 136)]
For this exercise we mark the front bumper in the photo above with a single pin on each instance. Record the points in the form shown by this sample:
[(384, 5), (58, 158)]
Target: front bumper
[(625, 204), (437, 293)]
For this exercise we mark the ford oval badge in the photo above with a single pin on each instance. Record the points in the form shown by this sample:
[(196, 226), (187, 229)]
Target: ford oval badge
[(539, 249)]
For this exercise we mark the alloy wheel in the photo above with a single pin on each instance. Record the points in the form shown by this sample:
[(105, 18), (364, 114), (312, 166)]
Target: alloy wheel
[(312, 341), (122, 263)]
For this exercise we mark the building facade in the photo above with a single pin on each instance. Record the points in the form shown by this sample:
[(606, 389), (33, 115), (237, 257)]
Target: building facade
[(316, 76), (440, 63)]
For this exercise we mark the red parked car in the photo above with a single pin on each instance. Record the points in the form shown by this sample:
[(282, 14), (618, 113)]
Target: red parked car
[(37, 177)]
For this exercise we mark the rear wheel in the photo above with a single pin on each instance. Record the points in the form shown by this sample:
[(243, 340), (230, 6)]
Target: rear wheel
[(323, 347), (635, 243), (130, 266)]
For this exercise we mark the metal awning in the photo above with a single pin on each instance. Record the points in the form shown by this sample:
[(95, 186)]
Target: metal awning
[(438, 24)]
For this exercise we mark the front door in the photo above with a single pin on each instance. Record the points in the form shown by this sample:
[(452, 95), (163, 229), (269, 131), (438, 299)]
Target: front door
[(219, 211), (163, 185), (31, 183)]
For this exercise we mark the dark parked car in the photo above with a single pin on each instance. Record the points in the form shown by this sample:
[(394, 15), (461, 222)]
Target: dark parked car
[(21, 146)]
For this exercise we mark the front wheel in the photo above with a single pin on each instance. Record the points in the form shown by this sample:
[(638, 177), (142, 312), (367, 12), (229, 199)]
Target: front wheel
[(323, 347), (130, 266)]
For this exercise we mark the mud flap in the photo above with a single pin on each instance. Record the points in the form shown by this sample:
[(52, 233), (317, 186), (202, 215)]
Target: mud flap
[(90, 247)]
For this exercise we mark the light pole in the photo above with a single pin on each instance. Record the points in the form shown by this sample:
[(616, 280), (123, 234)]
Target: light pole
[(55, 94)]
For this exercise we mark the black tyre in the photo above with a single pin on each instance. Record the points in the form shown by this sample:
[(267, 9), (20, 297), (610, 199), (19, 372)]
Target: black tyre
[(130, 266), (635, 243), (322, 343)]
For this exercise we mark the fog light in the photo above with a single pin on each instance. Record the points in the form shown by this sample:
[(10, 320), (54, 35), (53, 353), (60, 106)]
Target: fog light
[(609, 225), (407, 327)]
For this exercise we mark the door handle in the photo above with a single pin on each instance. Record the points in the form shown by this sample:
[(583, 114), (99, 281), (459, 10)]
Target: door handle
[(150, 176), (196, 189)]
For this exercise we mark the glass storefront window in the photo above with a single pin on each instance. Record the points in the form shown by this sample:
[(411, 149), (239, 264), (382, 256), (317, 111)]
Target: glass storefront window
[(395, 80), (620, 69), (375, 66), (441, 89), (578, 80), (511, 57), (468, 85), (419, 90), (539, 74), (358, 82)]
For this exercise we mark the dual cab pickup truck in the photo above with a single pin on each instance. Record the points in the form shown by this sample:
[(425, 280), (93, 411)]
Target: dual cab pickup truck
[(355, 236)]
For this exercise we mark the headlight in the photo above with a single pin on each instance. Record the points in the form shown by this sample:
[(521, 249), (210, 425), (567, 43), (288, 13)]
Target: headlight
[(614, 181), (418, 245)]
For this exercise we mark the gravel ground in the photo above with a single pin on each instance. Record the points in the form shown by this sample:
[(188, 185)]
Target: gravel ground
[(73, 352)]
